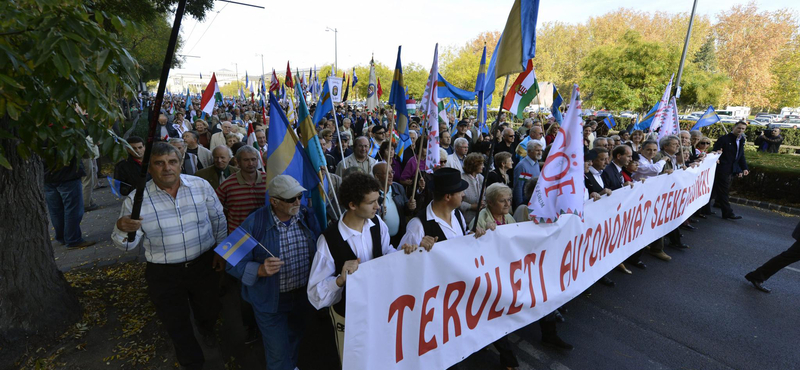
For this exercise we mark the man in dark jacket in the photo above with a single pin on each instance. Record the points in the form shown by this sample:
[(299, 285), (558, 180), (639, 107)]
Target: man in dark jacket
[(64, 196), (612, 174), (128, 172), (731, 162), (787, 257)]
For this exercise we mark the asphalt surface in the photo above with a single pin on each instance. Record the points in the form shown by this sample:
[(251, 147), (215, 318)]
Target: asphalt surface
[(694, 312)]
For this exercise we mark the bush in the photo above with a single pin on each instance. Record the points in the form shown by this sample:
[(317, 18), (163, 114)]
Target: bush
[(790, 136), (773, 177)]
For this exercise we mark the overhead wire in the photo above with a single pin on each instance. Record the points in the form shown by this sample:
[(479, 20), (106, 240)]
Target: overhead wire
[(207, 28)]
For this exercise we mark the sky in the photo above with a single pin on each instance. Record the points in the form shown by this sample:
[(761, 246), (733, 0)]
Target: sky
[(234, 36)]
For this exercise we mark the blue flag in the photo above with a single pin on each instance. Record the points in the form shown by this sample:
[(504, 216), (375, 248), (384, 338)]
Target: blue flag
[(447, 90), (237, 245), (324, 105), (609, 121), (398, 100), (201, 75), (709, 118), (313, 148), (355, 78), (246, 79), (480, 89), (115, 186), (285, 155), (491, 74), (644, 124), (557, 101)]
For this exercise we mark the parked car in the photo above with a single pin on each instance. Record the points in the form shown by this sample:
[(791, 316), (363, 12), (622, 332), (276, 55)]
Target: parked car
[(627, 114), (794, 123)]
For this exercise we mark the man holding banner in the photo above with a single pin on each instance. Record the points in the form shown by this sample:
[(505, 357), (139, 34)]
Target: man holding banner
[(274, 277), (358, 237)]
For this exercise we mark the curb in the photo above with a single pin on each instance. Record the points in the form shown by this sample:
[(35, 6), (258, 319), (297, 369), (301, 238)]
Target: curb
[(766, 205)]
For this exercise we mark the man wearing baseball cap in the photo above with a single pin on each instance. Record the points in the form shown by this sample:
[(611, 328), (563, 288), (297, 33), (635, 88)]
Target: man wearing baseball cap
[(274, 280)]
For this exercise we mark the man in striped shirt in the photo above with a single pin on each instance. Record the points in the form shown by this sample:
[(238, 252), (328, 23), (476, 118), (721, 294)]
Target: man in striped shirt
[(244, 192), (181, 222)]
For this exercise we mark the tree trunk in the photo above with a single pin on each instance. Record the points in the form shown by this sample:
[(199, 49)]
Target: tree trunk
[(35, 298)]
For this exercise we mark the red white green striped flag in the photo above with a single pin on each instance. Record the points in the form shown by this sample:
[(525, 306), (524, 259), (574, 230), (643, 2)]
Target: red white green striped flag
[(522, 92)]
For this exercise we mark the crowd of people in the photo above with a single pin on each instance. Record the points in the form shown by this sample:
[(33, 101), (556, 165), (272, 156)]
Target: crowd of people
[(205, 181)]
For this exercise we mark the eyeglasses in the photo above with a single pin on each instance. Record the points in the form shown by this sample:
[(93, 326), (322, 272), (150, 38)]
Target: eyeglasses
[(704, 143), (380, 132), (290, 200)]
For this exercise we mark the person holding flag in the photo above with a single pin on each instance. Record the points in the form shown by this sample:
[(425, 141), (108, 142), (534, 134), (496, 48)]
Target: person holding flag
[(178, 227), (274, 277)]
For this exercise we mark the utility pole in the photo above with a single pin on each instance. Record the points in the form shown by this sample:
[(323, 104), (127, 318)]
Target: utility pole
[(335, 49), (683, 56), (262, 64)]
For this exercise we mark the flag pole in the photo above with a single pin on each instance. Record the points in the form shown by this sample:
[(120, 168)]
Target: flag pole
[(491, 153), (388, 164), (173, 38), (333, 190)]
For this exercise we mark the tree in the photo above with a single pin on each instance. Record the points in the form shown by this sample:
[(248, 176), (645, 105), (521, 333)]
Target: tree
[(785, 90), (629, 75), (58, 57), (749, 41), (147, 42)]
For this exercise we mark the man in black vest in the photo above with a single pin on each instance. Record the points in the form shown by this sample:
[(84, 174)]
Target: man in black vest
[(358, 237), (442, 217)]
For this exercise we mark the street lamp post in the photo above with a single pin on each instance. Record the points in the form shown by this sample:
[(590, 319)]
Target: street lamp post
[(262, 64), (335, 49)]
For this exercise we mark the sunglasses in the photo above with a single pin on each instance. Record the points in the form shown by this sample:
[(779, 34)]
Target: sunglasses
[(290, 200), (704, 143)]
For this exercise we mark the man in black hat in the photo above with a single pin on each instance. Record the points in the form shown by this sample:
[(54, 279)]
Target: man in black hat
[(442, 218), (461, 131)]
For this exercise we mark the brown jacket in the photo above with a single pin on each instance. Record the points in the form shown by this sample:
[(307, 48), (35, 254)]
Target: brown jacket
[(211, 174)]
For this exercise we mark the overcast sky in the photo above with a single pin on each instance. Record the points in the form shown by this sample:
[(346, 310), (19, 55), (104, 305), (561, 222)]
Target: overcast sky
[(295, 30)]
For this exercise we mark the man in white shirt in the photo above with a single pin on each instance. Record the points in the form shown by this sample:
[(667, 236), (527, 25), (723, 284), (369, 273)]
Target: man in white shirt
[(358, 237), (181, 221), (648, 168), (537, 135), (456, 160)]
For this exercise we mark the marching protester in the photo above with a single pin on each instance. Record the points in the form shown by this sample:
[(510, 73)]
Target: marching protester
[(758, 276), (221, 170), (456, 159), (274, 277), (128, 172), (527, 169), (398, 205), (473, 177), (358, 237), (360, 158), (180, 224)]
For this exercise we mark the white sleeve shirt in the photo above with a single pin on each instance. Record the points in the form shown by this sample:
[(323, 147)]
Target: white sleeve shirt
[(322, 289), (415, 232), (648, 169)]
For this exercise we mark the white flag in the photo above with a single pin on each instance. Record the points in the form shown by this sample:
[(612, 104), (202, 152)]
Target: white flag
[(658, 117), (430, 113), (671, 125), (560, 187), (372, 88)]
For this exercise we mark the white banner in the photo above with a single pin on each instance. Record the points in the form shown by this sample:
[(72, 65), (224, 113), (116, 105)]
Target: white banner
[(431, 310), (336, 89)]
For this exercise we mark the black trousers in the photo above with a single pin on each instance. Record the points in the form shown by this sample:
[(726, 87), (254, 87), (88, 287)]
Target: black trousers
[(778, 262), (177, 288), (722, 186)]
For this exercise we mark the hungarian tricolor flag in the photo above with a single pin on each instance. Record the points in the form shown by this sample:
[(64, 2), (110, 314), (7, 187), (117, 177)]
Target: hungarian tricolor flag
[(210, 95), (289, 82), (524, 89)]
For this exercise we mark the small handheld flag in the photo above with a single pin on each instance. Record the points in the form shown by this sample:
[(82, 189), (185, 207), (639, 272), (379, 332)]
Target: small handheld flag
[(115, 186), (609, 121), (237, 245)]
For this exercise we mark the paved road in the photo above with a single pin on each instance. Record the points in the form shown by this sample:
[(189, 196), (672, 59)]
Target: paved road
[(695, 312)]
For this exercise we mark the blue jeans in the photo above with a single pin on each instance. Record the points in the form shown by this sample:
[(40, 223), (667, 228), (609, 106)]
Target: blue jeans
[(282, 331), (65, 204)]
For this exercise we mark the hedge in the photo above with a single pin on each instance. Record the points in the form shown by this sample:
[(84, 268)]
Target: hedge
[(773, 177)]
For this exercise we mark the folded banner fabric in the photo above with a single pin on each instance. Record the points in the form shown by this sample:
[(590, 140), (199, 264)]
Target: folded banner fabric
[(429, 310)]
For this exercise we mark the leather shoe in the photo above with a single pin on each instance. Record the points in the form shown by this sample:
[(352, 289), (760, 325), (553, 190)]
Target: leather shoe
[(678, 246), (732, 217), (640, 265), (757, 284), (708, 213), (607, 282), (688, 227), (661, 255)]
